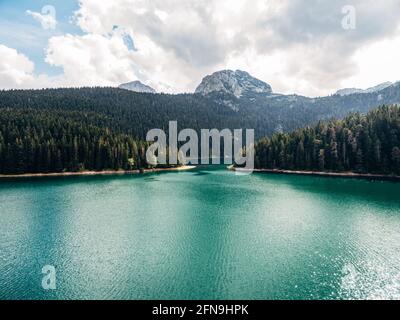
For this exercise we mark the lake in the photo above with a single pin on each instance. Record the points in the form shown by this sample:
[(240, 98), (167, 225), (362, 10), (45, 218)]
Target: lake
[(201, 234)]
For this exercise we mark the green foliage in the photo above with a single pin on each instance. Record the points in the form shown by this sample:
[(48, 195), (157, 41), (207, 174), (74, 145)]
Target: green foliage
[(360, 143), (136, 113), (33, 141), (55, 130)]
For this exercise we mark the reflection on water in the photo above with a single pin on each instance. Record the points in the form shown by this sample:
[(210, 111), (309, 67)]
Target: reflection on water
[(203, 234)]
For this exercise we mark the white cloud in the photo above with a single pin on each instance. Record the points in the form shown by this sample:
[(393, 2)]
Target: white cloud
[(18, 71), (92, 59), (15, 68), (296, 46), (376, 63), (47, 18)]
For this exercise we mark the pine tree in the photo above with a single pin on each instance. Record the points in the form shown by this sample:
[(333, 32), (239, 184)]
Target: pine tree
[(360, 143)]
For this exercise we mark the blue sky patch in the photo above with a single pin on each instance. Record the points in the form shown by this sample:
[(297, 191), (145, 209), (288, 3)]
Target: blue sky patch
[(22, 32)]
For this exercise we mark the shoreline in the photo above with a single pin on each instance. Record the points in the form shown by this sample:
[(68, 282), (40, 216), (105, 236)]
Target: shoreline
[(94, 173), (351, 175)]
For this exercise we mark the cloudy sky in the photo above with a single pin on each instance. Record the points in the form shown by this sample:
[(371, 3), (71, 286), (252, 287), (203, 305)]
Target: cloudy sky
[(309, 47)]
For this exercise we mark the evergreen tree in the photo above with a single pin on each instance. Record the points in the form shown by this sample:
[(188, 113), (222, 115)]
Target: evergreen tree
[(360, 143)]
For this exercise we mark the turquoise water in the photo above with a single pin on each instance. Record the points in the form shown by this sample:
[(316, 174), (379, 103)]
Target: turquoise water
[(204, 234)]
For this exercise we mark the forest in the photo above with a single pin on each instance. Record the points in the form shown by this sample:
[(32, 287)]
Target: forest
[(362, 143), (56, 130), (136, 113), (33, 141)]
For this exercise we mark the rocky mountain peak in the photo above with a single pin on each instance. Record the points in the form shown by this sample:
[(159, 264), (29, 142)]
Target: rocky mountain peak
[(236, 83), (137, 86)]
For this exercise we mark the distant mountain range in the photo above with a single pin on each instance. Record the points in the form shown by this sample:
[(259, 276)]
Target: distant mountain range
[(379, 87), (239, 90), (225, 99), (53, 130), (240, 83)]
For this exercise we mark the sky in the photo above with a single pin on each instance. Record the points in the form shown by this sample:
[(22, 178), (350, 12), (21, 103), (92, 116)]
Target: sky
[(308, 47)]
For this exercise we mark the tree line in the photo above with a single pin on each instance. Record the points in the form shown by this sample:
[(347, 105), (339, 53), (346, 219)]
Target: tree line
[(136, 113), (35, 141), (363, 143), (56, 130)]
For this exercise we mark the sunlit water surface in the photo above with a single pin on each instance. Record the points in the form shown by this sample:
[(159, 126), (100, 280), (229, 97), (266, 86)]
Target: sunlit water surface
[(204, 234)]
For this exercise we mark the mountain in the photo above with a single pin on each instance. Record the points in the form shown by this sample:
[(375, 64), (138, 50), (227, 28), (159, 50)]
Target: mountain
[(126, 112), (348, 91), (237, 83), (137, 86), (74, 128), (379, 87)]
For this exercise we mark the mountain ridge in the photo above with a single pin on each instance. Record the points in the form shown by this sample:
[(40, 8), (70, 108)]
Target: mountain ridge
[(379, 87), (259, 109)]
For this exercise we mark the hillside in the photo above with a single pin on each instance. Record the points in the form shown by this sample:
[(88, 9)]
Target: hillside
[(359, 143), (136, 113), (37, 141), (54, 130)]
